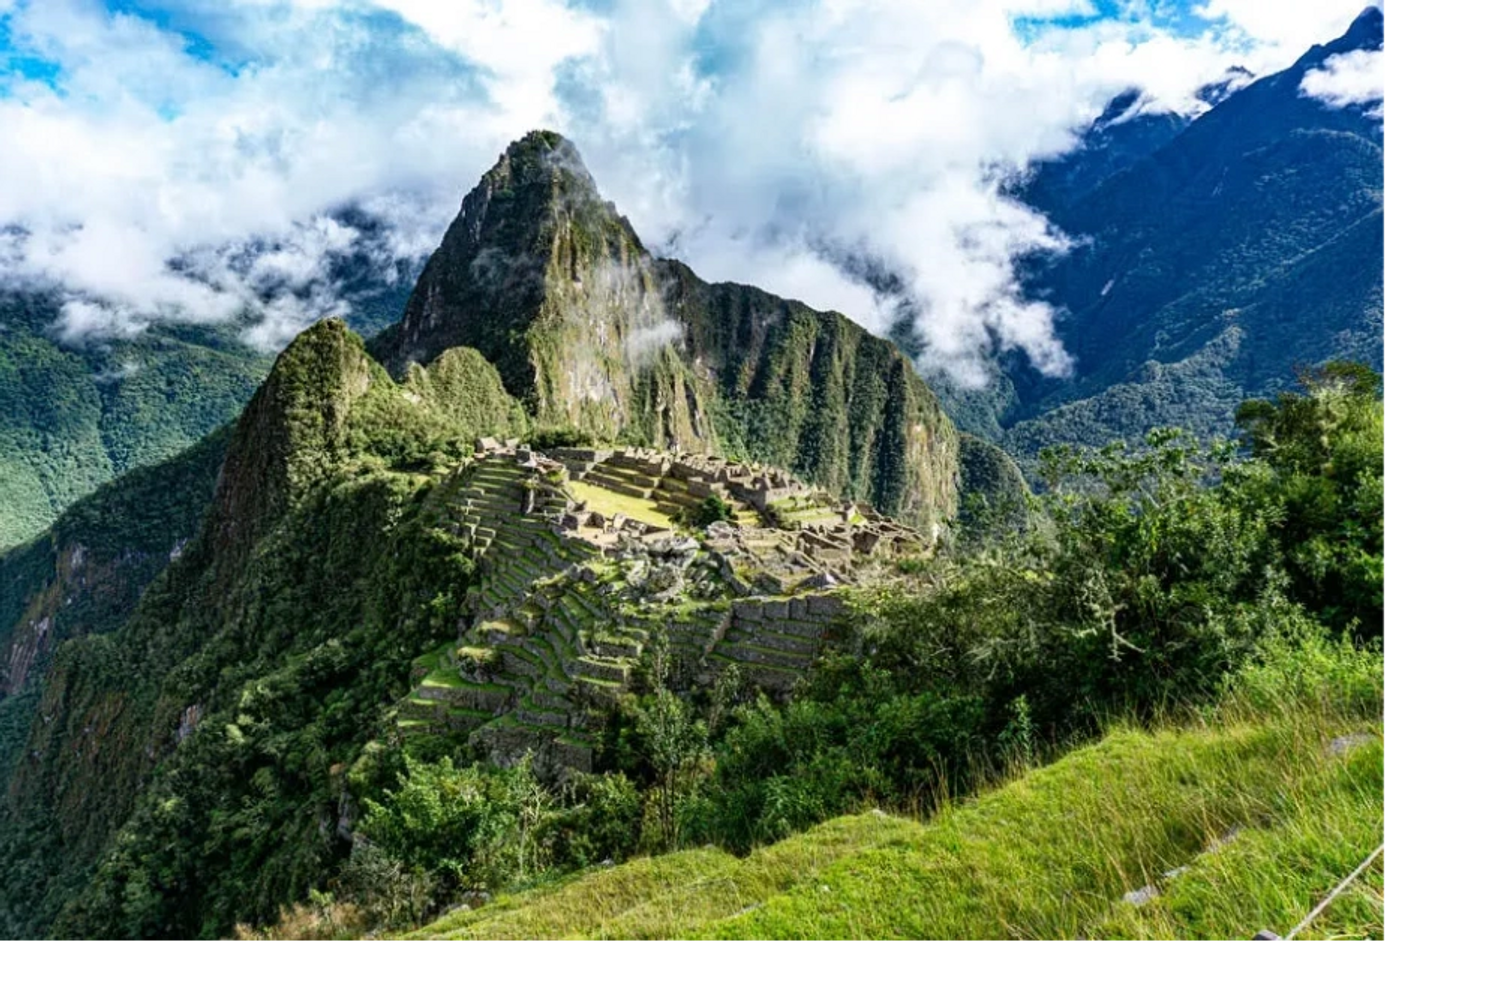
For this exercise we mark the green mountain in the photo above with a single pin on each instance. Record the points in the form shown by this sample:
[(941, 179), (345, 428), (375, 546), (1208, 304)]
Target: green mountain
[(74, 416), (585, 559), (314, 533), (1213, 259), (293, 568), (550, 283)]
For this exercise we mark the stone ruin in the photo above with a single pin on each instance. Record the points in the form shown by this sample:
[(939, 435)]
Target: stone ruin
[(571, 596)]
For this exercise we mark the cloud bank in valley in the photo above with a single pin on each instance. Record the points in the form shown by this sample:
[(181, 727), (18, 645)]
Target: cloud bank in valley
[(197, 159)]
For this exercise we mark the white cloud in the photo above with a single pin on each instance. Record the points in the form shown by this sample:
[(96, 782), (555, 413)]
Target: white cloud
[(81, 320), (126, 370), (1348, 79), (868, 130), (1284, 29), (780, 144), (642, 343), (146, 156)]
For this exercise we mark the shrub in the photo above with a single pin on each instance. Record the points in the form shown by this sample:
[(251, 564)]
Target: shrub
[(712, 510), (560, 437), (470, 828)]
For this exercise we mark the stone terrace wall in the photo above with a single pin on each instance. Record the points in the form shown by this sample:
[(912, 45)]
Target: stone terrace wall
[(570, 600)]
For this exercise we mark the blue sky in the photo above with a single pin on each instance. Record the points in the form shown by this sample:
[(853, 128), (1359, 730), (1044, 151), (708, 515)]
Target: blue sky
[(747, 137)]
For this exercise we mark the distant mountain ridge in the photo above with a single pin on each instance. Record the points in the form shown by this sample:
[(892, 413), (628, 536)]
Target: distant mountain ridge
[(74, 416), (1213, 258), (79, 411)]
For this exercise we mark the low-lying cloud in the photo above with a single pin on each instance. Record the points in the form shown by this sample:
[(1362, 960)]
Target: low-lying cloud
[(1349, 79), (203, 164), (644, 343)]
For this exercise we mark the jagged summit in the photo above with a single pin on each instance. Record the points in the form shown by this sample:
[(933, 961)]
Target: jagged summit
[(1366, 33), (589, 331), (534, 214)]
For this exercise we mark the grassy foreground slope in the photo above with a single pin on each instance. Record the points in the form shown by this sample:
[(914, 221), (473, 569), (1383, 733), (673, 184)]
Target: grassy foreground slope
[(1241, 821)]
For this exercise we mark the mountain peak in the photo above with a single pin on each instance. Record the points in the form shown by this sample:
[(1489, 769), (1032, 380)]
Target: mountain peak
[(289, 432), (1366, 31), (543, 157), (534, 223)]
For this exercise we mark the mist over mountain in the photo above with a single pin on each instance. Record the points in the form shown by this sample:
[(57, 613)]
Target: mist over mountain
[(1211, 258), (359, 576)]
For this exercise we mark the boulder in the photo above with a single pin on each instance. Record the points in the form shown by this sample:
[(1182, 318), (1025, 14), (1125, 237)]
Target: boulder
[(664, 579)]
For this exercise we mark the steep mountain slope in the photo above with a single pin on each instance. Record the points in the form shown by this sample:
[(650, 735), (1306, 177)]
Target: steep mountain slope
[(88, 570), (585, 327), (1129, 130), (1245, 244), (257, 633), (75, 413), (74, 416)]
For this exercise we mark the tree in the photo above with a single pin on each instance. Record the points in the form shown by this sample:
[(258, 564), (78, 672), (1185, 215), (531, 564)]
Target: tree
[(710, 511), (1325, 446), (675, 743)]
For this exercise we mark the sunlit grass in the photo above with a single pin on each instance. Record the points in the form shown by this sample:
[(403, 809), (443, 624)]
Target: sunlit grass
[(609, 503), (1240, 823)]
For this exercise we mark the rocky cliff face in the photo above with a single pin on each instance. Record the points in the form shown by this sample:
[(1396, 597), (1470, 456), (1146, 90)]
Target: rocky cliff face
[(552, 285), (815, 393)]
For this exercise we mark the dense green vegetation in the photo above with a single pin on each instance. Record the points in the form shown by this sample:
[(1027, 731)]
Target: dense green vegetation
[(1167, 582), (814, 393), (993, 502), (88, 571), (466, 389), (74, 416), (1140, 589), (278, 642), (1241, 819)]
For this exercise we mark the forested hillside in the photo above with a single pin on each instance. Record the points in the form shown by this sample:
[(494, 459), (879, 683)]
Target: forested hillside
[(78, 409), (75, 415), (1212, 258), (316, 530)]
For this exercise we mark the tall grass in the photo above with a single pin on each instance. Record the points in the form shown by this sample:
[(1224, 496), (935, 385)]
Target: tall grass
[(1238, 820)]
